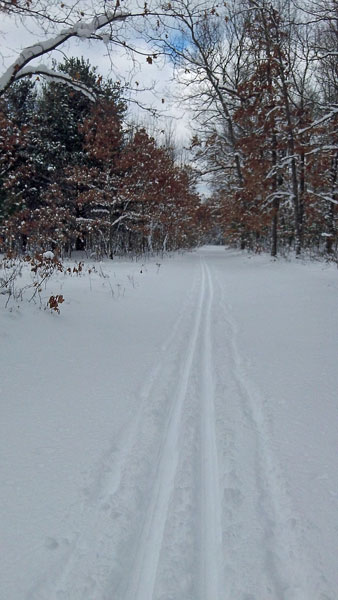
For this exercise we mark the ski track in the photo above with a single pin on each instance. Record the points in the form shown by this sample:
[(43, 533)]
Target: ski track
[(73, 578), (144, 570), (283, 569), (211, 517), (190, 503)]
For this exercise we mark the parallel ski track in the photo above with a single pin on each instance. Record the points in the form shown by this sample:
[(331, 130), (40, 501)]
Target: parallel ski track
[(144, 570), (211, 517)]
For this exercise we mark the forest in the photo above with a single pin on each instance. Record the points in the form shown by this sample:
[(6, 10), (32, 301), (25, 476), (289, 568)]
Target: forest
[(261, 81), (75, 176)]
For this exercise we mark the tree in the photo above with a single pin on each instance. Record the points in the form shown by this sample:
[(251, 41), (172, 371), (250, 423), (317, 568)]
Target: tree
[(206, 66), (15, 162), (324, 128), (42, 142), (94, 182), (158, 194)]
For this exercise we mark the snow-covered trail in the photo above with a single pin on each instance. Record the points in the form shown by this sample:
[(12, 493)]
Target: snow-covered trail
[(191, 500)]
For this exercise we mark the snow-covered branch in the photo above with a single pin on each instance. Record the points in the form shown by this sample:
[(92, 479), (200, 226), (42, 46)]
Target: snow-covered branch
[(324, 197), (320, 121), (21, 67), (58, 77)]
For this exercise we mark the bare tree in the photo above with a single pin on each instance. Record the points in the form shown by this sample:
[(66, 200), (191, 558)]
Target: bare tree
[(201, 44)]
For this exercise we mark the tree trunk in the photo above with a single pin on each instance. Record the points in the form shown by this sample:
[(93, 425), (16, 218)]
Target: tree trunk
[(332, 206)]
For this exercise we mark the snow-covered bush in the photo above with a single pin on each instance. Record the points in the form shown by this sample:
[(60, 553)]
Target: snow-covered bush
[(25, 278)]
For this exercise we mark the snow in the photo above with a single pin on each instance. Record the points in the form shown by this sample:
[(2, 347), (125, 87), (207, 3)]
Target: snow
[(172, 434), (49, 255)]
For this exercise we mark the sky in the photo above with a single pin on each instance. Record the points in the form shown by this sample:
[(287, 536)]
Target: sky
[(155, 81)]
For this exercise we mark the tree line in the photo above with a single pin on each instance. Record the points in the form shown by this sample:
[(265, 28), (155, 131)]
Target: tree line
[(261, 79), (75, 175)]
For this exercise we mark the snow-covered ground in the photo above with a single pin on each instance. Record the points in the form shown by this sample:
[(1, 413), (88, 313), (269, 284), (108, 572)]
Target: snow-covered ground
[(173, 434)]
